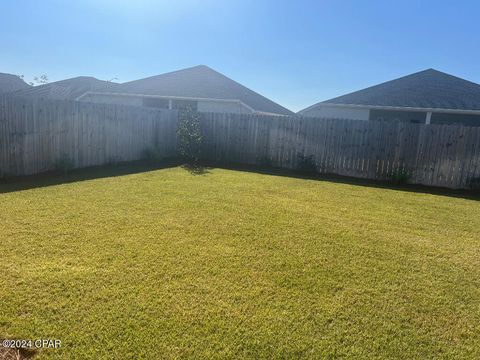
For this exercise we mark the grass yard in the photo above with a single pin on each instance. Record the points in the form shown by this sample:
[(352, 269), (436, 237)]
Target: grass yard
[(165, 264)]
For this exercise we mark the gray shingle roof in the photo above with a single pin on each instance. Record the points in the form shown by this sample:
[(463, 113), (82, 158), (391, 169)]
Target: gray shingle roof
[(66, 89), (200, 82), (426, 89), (10, 83)]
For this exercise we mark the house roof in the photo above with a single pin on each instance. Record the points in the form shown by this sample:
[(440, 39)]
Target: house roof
[(66, 89), (10, 83), (425, 89), (199, 82)]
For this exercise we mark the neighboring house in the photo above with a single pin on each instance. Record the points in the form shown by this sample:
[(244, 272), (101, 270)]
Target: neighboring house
[(199, 87), (69, 89), (10, 83), (428, 96)]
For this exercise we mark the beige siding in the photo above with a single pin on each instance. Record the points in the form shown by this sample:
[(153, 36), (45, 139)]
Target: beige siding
[(223, 107), (337, 113), (203, 105), (116, 100)]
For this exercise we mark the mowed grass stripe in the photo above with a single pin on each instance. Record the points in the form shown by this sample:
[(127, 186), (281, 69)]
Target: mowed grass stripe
[(230, 264)]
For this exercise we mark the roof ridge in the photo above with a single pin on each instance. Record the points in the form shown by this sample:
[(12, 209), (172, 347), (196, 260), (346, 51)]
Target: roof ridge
[(429, 88), (8, 74), (169, 73), (201, 81), (430, 70), (385, 82)]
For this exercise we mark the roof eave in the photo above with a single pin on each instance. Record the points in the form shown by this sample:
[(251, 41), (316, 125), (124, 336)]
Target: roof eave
[(393, 108), (166, 97)]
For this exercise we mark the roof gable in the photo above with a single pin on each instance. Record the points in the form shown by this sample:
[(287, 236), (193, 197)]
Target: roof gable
[(10, 83), (425, 89), (67, 89), (200, 82)]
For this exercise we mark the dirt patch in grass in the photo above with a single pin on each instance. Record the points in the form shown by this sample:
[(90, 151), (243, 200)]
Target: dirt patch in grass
[(16, 354)]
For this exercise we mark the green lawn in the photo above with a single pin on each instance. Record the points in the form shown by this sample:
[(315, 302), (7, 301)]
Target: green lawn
[(229, 264)]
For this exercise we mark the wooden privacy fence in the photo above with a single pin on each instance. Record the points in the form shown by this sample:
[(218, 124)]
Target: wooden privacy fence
[(34, 134), (435, 155)]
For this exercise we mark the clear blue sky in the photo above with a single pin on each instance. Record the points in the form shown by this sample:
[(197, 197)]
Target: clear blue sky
[(295, 52)]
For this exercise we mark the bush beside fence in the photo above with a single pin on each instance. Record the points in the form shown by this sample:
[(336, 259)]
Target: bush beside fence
[(35, 135), (434, 155)]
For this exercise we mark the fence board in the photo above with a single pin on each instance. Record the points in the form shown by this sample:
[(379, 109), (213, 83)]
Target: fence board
[(36, 133), (437, 155)]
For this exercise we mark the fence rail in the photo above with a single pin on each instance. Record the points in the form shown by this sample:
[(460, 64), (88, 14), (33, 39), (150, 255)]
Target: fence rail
[(435, 155), (35, 133)]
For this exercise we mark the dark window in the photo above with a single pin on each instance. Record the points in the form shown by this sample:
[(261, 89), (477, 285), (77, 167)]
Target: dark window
[(156, 103), (455, 119), (416, 121), (183, 104), (406, 116)]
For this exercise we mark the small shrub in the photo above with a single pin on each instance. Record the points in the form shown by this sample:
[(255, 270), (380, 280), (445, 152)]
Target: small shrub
[(401, 176), (189, 136), (63, 164), (306, 164)]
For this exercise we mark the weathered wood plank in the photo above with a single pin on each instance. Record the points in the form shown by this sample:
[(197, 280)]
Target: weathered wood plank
[(36, 133)]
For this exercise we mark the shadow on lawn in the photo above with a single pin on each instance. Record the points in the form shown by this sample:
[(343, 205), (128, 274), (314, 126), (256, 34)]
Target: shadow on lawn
[(422, 189), (20, 183), (196, 169), (52, 178)]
